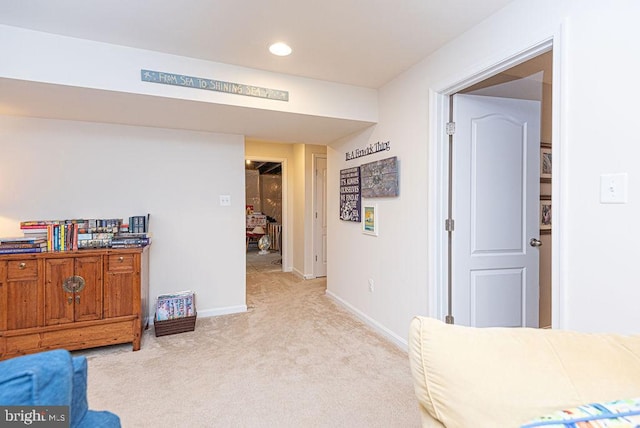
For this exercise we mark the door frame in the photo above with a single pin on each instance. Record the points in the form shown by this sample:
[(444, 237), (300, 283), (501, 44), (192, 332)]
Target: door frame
[(439, 105), (287, 265), (314, 226)]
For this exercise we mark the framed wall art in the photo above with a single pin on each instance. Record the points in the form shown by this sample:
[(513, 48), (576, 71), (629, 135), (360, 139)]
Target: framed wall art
[(370, 219), (545, 215), (350, 194), (545, 162), (380, 178)]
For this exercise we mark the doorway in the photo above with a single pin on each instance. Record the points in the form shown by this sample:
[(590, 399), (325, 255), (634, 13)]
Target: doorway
[(320, 216), (536, 60), (264, 214)]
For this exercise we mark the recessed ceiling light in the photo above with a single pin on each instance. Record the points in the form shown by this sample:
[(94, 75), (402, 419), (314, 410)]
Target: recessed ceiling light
[(280, 49)]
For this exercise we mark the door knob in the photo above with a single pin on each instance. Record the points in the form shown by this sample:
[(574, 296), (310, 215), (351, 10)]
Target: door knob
[(535, 242)]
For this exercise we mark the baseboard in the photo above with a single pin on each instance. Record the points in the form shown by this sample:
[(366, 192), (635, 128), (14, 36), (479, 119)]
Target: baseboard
[(388, 334), (303, 275), (217, 311)]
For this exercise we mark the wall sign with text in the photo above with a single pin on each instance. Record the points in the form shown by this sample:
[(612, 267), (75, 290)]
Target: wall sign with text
[(212, 85), (350, 194), (380, 146)]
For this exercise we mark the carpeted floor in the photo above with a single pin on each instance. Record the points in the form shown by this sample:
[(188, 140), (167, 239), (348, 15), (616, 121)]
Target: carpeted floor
[(294, 359)]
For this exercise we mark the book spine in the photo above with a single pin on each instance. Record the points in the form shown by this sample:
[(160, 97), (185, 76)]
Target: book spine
[(50, 237), (19, 250), (22, 245)]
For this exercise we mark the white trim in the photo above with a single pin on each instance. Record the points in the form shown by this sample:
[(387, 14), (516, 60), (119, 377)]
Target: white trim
[(222, 311), (216, 311), (301, 275), (314, 231), (388, 334), (438, 183), (559, 184), (437, 206), (286, 262)]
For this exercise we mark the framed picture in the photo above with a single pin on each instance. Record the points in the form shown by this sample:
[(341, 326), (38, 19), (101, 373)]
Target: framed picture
[(379, 179), (370, 219), (545, 162), (545, 215)]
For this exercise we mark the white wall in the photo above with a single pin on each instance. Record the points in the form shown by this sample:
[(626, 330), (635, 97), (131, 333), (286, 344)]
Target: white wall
[(53, 169), (595, 87)]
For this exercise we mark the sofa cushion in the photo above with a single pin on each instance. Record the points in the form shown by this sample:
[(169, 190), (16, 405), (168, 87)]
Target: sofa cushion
[(503, 377), (618, 414), (79, 404), (17, 388), (36, 380)]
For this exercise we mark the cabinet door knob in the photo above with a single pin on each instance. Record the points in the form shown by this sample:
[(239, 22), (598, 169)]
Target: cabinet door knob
[(69, 300), (22, 265), (120, 259)]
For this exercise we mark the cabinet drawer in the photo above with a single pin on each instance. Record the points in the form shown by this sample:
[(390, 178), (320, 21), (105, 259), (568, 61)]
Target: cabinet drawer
[(120, 263), (22, 269)]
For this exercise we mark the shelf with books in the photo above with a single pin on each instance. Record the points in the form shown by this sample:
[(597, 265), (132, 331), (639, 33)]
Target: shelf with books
[(81, 234)]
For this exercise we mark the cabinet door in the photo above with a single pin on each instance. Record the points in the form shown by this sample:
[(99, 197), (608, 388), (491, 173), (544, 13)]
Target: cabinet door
[(58, 308), (121, 293), (22, 297), (88, 301)]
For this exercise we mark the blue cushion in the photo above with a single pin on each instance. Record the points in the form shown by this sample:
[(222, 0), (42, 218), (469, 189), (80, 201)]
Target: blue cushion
[(52, 378), (42, 379), (79, 405)]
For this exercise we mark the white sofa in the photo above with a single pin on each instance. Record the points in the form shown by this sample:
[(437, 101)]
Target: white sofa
[(504, 377)]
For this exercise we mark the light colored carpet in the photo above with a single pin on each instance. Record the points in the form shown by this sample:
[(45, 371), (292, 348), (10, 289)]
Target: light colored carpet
[(295, 359)]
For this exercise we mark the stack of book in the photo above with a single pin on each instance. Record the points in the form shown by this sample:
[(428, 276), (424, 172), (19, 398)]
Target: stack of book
[(175, 305), (130, 240), (139, 223), (77, 234), (23, 245)]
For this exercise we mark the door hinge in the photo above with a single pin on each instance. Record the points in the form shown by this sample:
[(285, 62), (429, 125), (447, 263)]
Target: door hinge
[(449, 225), (316, 258), (451, 128)]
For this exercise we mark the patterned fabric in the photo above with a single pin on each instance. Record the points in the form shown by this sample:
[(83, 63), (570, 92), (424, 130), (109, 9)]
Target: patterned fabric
[(614, 414)]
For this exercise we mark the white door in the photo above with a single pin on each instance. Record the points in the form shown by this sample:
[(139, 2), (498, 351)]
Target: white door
[(320, 219), (496, 199)]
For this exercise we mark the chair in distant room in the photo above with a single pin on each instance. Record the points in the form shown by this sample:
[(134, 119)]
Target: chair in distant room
[(254, 235)]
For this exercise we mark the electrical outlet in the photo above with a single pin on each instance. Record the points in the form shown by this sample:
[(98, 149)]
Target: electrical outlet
[(370, 285), (225, 200)]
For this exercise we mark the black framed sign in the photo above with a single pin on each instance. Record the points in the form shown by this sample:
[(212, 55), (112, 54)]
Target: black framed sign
[(350, 194)]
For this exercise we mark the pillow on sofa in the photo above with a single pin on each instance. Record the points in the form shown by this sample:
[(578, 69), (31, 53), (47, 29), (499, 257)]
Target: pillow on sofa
[(618, 414)]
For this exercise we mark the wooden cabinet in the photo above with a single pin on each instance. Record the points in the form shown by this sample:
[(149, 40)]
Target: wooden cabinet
[(72, 289), (22, 292), (72, 300)]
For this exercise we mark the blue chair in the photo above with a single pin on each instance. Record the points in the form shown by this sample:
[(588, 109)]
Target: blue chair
[(52, 378)]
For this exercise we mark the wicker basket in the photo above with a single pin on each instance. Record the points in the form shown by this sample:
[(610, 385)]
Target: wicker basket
[(174, 326)]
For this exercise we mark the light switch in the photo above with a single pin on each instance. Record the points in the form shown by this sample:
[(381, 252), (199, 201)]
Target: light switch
[(613, 188), (225, 200)]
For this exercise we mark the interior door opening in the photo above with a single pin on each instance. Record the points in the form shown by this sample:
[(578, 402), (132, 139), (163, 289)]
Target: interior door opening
[(531, 79), (264, 214)]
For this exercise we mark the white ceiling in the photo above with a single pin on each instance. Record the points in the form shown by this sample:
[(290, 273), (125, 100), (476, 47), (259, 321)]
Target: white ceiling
[(357, 42)]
